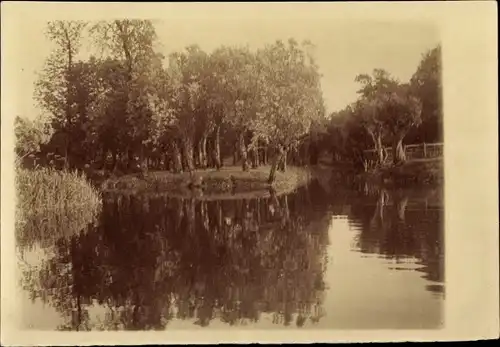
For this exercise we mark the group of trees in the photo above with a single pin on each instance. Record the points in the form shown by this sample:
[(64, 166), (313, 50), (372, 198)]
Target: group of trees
[(187, 111), (389, 112), (131, 105)]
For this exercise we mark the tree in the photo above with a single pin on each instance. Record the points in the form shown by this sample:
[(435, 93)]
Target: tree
[(368, 107), (108, 109), (233, 94), (133, 43), (427, 86), (401, 111), (55, 88), (291, 97), (187, 99), (386, 108)]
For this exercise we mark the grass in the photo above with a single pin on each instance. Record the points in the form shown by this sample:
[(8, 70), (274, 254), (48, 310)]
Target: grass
[(53, 203), (228, 181)]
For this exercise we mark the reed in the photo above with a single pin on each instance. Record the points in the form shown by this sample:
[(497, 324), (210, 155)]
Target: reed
[(52, 203)]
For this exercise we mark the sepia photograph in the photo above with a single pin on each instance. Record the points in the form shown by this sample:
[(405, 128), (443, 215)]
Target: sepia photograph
[(221, 172)]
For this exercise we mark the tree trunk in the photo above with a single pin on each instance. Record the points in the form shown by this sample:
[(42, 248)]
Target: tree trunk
[(130, 157), (177, 160), (255, 158), (218, 161), (274, 166), (282, 165), (66, 154), (115, 160), (211, 151), (243, 152), (187, 153), (380, 149), (143, 160), (306, 154), (203, 151), (398, 152), (377, 144), (166, 162)]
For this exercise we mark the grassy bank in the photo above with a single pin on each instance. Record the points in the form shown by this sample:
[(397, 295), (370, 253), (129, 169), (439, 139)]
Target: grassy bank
[(229, 180), (53, 203), (420, 172)]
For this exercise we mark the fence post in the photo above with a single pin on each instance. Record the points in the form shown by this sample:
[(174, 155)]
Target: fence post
[(425, 150)]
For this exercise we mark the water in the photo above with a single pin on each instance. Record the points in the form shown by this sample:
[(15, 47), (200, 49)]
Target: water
[(322, 257)]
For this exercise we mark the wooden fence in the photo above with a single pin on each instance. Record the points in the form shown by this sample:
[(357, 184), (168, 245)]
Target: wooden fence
[(418, 151)]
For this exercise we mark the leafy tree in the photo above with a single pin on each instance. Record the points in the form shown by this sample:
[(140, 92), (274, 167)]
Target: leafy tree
[(133, 43), (291, 97), (188, 97), (427, 86), (55, 88), (401, 111), (386, 108)]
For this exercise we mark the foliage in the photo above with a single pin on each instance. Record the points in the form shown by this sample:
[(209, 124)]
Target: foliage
[(427, 85), (30, 135), (195, 108)]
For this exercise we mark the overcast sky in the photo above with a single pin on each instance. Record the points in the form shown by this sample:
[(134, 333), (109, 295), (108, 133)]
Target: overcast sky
[(343, 49)]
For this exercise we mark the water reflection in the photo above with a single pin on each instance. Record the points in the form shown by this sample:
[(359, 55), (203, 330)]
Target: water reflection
[(402, 225), (153, 262)]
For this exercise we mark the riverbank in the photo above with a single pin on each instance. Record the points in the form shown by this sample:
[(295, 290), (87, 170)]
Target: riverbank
[(224, 182), (419, 172)]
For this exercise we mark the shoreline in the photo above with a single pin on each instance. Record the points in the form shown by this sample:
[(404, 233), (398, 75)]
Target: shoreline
[(412, 174), (227, 183)]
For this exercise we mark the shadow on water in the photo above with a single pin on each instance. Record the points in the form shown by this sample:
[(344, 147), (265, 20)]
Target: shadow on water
[(151, 262)]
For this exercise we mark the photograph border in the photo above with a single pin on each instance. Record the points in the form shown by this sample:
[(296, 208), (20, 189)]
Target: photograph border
[(469, 54)]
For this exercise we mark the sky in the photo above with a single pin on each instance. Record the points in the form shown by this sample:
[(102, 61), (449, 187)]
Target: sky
[(343, 48)]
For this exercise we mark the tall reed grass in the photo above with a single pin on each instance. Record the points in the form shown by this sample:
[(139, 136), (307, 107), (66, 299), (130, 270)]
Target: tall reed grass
[(52, 204)]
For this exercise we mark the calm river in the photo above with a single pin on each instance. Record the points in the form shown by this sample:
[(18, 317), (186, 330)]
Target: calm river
[(324, 256)]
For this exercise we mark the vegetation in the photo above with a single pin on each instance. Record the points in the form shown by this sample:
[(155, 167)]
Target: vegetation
[(47, 195), (416, 172), (30, 136), (127, 109), (388, 113), (226, 180)]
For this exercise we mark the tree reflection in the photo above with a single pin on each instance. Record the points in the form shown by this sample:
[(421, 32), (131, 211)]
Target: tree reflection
[(400, 226), (154, 259)]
